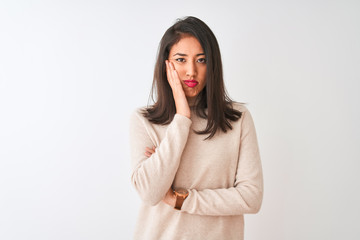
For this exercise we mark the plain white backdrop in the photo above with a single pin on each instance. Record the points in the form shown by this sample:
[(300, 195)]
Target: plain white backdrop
[(71, 72)]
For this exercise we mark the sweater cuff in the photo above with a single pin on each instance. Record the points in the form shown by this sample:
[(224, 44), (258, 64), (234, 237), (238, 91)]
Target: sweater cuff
[(184, 121), (187, 202)]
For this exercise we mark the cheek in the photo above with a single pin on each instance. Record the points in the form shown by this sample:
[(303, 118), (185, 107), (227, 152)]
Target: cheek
[(178, 67), (203, 74)]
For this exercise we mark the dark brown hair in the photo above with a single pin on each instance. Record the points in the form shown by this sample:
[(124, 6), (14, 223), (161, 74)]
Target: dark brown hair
[(213, 97)]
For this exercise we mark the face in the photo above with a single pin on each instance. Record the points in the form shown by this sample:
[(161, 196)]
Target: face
[(189, 60)]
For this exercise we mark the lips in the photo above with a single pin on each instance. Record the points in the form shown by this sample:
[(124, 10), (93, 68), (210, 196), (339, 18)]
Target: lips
[(191, 83)]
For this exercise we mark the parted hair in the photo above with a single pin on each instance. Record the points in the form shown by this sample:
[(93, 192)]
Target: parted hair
[(213, 97)]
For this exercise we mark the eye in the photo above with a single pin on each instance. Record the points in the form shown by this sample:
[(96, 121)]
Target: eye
[(201, 60), (180, 59)]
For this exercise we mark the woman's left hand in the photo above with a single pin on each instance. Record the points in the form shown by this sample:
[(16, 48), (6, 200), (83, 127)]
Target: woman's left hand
[(170, 197)]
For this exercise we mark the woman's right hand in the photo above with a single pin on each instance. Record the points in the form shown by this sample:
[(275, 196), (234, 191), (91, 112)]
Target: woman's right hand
[(181, 103), (149, 151)]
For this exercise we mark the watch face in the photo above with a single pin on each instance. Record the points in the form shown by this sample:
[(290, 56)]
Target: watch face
[(182, 191)]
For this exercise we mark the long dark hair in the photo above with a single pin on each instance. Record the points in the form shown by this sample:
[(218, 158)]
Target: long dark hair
[(213, 97)]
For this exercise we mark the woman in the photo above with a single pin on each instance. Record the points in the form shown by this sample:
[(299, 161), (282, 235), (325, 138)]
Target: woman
[(191, 186)]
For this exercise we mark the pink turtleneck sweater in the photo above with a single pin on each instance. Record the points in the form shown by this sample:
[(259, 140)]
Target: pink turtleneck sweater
[(223, 176)]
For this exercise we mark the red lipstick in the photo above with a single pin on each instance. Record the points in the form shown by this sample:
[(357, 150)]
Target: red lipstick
[(191, 83)]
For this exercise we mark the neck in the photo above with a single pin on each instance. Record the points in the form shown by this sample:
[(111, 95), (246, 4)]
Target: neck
[(191, 101)]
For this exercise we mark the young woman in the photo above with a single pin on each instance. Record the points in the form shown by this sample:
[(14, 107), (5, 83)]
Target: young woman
[(195, 157)]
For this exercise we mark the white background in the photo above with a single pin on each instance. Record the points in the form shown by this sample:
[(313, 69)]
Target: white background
[(71, 72)]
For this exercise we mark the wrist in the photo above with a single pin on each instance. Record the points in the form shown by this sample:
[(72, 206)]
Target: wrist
[(180, 196), (184, 114), (183, 109)]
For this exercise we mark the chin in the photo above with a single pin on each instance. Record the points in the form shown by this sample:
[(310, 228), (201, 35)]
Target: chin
[(190, 95)]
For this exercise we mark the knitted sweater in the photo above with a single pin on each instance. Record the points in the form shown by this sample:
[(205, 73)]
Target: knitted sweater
[(223, 176)]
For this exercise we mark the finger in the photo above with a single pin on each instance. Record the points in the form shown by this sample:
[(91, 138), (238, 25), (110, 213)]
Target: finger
[(148, 154), (175, 75), (168, 70), (173, 70), (167, 66), (172, 67), (170, 74), (149, 149)]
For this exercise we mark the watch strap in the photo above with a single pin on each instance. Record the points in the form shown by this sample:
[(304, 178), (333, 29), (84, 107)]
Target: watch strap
[(179, 202)]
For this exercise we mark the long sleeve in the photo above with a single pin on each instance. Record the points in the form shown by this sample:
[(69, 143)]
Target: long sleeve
[(152, 176), (247, 193)]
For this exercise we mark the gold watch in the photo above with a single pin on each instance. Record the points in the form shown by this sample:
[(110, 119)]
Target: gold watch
[(181, 194)]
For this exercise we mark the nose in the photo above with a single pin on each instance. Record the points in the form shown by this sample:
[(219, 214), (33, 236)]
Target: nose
[(191, 69)]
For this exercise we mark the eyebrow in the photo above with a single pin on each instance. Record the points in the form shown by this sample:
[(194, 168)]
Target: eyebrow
[(184, 55)]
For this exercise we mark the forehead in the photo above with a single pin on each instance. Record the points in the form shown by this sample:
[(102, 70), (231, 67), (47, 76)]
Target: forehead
[(188, 45)]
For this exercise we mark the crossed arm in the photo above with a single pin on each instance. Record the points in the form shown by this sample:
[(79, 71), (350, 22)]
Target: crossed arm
[(154, 173), (170, 198)]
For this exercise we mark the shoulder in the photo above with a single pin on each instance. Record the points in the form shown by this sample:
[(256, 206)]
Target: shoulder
[(240, 106), (138, 111), (246, 119), (137, 116)]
